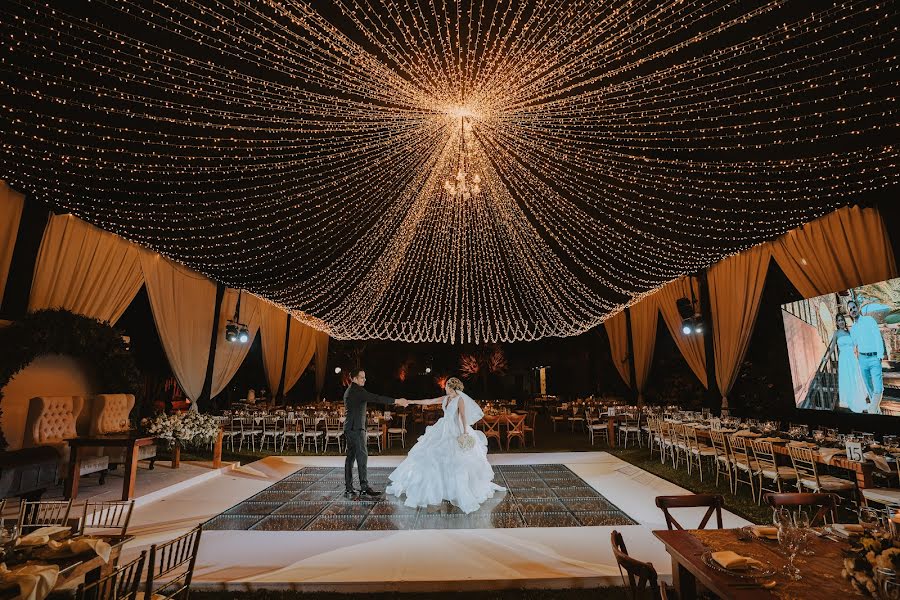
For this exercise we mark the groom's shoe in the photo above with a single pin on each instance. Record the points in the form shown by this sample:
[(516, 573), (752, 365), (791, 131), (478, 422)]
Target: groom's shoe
[(369, 492), (350, 494)]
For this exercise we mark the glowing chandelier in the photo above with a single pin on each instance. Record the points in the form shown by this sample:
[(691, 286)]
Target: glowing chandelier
[(449, 171)]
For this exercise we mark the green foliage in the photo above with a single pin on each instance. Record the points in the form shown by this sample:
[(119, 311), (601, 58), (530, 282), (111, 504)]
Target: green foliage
[(55, 331)]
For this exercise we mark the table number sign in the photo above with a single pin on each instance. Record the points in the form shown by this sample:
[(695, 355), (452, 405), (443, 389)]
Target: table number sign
[(854, 451)]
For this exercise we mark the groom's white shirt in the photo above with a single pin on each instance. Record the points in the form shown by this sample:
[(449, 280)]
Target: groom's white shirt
[(867, 336)]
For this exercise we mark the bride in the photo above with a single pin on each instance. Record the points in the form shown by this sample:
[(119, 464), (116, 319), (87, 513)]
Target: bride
[(449, 462)]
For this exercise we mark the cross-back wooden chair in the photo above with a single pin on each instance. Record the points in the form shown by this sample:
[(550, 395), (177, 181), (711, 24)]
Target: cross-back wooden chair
[(492, 429), (172, 563), (713, 503), (825, 504), (121, 584), (640, 575), (515, 428)]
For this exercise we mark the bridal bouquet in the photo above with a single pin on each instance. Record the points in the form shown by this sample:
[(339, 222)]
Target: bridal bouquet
[(465, 441), (188, 429)]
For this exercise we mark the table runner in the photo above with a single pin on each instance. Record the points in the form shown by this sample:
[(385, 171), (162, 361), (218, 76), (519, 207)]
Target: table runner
[(821, 573)]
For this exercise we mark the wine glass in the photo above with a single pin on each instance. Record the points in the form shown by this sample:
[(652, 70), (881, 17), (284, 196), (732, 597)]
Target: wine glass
[(789, 538), (871, 520), (801, 520), (9, 534)]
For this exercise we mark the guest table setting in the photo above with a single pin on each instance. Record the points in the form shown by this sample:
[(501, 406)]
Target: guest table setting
[(47, 559)]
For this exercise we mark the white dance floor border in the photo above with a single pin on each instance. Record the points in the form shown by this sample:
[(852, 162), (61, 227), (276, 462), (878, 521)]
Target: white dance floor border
[(422, 560)]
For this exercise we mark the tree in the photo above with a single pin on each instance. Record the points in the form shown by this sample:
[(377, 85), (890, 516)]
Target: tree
[(489, 359)]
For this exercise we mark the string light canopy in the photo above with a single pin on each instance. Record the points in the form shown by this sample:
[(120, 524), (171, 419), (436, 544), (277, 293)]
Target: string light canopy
[(440, 171)]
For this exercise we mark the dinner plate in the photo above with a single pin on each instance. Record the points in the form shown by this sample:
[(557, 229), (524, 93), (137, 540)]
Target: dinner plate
[(751, 572)]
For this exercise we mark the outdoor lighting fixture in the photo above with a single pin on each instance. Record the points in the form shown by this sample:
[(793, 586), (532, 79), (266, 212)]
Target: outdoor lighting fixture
[(686, 327), (337, 370), (427, 370), (235, 331), (691, 319)]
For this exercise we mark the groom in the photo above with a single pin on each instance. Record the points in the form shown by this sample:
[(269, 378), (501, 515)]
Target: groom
[(355, 399), (870, 345)]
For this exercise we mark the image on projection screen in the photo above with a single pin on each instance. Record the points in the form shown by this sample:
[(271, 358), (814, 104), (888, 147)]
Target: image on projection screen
[(844, 349)]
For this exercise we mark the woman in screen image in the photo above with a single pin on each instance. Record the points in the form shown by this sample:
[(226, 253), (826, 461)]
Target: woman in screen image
[(851, 389)]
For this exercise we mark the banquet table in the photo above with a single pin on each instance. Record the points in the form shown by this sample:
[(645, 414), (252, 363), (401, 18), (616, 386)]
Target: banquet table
[(89, 566), (862, 469), (820, 573), (128, 440)]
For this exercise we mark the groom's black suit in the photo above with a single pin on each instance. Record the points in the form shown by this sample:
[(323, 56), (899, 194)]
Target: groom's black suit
[(355, 400)]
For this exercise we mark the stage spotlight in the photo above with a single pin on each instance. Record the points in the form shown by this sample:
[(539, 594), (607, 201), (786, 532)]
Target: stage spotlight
[(427, 370), (686, 327), (685, 308), (231, 332), (337, 370), (244, 334), (698, 325)]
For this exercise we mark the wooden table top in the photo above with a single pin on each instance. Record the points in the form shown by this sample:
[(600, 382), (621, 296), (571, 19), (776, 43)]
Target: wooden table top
[(112, 439), (821, 573)]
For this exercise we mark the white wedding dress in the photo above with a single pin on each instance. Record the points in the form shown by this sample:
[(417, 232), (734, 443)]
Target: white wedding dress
[(851, 389), (437, 468)]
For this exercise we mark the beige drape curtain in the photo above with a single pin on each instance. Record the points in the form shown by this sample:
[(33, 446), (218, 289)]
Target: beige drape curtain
[(11, 205), (644, 319), (321, 361), (617, 330), (85, 270), (229, 355), (843, 249), (691, 346), (300, 351), (183, 305), (273, 329), (735, 287)]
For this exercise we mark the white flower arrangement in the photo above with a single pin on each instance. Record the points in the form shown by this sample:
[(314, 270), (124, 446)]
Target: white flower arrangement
[(188, 429), (866, 555)]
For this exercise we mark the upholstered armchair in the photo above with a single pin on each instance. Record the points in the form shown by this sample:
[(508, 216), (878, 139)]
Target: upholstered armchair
[(51, 420), (109, 414)]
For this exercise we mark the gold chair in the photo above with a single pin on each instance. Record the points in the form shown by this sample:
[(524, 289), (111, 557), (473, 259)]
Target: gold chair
[(805, 464), (109, 517), (697, 451), (724, 462), (743, 464), (43, 513), (764, 453), (173, 562)]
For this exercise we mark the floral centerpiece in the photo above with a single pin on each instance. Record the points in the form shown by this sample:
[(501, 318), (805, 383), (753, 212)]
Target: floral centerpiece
[(866, 557), (188, 429)]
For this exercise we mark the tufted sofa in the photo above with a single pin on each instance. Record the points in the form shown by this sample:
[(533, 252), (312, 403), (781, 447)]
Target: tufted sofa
[(110, 414), (51, 420)]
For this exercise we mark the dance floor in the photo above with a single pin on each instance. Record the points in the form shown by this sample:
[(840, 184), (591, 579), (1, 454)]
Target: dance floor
[(434, 556), (312, 499)]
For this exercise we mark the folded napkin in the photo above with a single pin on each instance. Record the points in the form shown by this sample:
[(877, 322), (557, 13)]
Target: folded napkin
[(733, 560), (774, 440), (32, 540), (34, 581), (82, 545), (828, 454), (880, 462), (802, 444), (54, 532), (747, 433), (765, 531), (849, 529)]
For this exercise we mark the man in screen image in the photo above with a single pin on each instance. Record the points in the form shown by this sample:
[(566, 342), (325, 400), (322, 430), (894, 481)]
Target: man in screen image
[(869, 344)]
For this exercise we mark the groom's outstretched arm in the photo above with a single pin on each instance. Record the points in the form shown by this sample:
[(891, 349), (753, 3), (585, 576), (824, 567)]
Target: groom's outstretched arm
[(376, 398)]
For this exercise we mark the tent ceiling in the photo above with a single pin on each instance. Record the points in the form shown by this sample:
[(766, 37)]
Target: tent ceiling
[(437, 171)]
